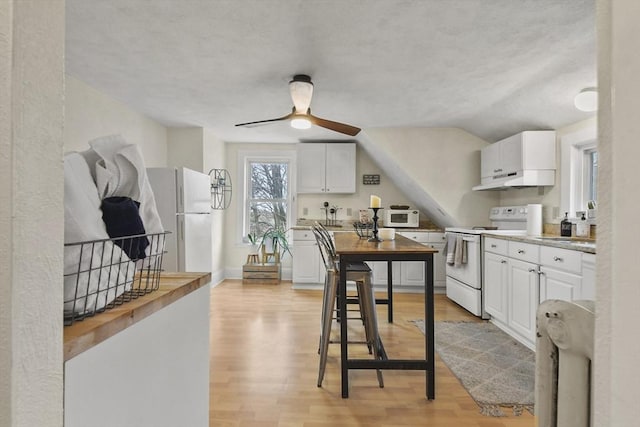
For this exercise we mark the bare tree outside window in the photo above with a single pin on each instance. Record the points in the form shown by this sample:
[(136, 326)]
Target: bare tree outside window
[(267, 195)]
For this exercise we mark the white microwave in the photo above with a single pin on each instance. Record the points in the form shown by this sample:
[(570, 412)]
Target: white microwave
[(401, 218)]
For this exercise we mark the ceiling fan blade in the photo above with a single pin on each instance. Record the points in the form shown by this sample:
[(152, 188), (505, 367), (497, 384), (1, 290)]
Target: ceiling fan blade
[(262, 122), (334, 126)]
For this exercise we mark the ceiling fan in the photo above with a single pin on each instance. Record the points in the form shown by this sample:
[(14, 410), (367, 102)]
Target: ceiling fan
[(301, 90)]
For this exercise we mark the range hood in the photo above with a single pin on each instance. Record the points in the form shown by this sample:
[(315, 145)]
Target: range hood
[(524, 178), (527, 159)]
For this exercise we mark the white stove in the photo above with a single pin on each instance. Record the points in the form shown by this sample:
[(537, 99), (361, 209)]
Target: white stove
[(464, 280)]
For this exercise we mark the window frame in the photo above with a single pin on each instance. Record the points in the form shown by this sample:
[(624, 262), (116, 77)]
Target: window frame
[(245, 157), (575, 169)]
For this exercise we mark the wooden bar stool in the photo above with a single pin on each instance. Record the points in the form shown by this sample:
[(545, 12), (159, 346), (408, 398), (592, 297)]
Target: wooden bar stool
[(366, 302)]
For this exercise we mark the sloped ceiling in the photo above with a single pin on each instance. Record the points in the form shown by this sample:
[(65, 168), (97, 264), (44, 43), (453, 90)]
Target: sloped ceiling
[(490, 67)]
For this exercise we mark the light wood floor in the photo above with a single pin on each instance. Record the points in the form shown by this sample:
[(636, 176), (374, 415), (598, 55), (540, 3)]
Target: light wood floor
[(264, 366)]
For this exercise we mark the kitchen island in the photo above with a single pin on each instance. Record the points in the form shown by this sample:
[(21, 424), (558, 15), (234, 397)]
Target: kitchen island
[(350, 248), (145, 362), (308, 271)]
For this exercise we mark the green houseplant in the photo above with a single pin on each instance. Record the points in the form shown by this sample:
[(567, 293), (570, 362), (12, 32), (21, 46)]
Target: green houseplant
[(255, 245), (274, 243)]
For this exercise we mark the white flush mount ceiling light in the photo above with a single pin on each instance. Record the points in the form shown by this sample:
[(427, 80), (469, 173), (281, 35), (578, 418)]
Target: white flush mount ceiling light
[(587, 99), (300, 123)]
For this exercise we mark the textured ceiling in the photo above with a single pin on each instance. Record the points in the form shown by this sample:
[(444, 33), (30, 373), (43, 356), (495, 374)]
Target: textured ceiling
[(490, 67)]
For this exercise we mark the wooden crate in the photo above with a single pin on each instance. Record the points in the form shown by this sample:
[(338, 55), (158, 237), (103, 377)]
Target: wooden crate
[(267, 274)]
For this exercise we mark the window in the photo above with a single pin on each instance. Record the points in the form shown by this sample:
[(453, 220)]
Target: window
[(267, 179), (267, 196), (579, 180), (591, 174)]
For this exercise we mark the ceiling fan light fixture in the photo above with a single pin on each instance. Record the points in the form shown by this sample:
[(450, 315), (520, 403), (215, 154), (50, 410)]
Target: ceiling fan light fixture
[(587, 99), (300, 123), (301, 90)]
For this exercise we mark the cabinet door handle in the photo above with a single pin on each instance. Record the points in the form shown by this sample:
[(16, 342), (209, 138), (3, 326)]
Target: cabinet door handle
[(533, 270), (557, 258), (520, 251), (504, 261), (494, 246)]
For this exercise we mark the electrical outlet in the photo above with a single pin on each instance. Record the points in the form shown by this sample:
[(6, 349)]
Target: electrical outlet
[(348, 212), (305, 211)]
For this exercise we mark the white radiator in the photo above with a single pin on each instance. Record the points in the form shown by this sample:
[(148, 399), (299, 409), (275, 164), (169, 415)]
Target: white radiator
[(564, 351)]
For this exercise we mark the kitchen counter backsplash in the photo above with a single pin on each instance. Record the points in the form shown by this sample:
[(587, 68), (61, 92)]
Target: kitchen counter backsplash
[(554, 230)]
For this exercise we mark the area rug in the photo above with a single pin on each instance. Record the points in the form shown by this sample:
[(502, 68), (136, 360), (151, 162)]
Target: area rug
[(497, 371)]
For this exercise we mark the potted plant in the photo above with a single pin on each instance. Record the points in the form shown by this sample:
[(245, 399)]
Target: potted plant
[(274, 243), (254, 250)]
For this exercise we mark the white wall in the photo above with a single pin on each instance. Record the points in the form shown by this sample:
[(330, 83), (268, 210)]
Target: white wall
[(185, 148), (31, 212), (90, 114), (236, 251), (387, 190), (199, 149), (617, 345), (214, 158), (445, 165)]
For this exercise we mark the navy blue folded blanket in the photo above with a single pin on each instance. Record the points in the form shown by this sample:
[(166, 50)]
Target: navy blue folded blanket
[(121, 216)]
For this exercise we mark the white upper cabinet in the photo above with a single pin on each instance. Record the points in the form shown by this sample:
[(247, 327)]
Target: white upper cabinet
[(326, 168), (490, 160)]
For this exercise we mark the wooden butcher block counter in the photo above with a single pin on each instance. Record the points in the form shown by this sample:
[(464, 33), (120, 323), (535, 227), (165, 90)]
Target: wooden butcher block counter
[(85, 334), (143, 363)]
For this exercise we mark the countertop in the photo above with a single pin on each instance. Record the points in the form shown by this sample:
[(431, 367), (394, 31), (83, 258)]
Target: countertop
[(84, 334), (572, 243), (347, 225)]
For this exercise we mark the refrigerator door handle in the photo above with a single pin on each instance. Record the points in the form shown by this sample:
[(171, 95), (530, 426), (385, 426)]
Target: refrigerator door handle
[(181, 199)]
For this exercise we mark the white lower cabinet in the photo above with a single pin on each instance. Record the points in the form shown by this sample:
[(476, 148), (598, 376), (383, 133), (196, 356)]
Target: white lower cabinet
[(560, 274), (410, 274), (523, 298), (307, 266), (496, 277), (556, 284), (518, 276), (380, 272), (589, 276)]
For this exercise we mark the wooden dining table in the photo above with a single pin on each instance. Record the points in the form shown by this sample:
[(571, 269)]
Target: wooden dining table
[(350, 248)]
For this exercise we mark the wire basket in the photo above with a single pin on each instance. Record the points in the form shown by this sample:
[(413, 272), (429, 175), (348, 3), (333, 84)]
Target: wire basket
[(363, 229), (102, 274)]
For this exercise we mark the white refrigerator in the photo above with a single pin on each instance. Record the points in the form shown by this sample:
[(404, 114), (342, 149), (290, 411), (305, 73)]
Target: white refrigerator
[(183, 200)]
